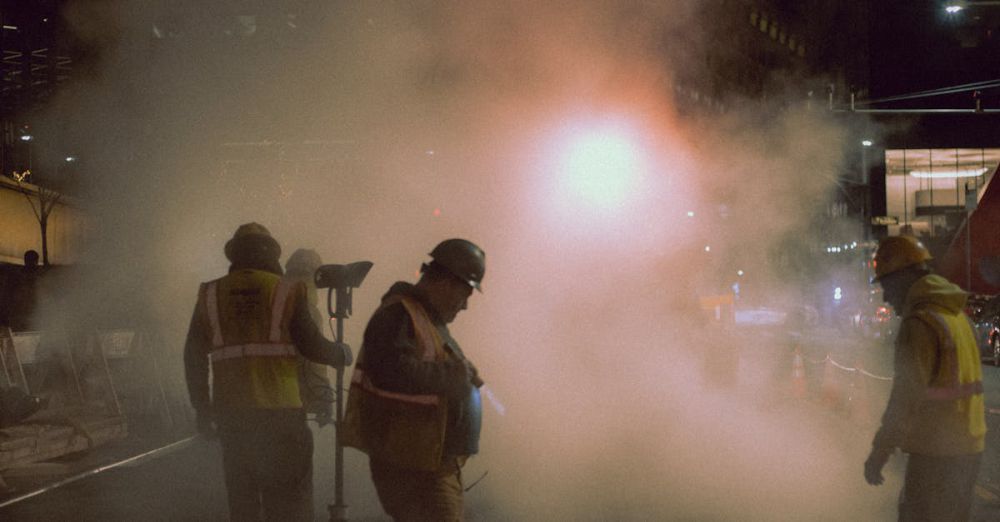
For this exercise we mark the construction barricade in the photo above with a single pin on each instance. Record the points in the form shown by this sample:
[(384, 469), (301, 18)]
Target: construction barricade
[(851, 390), (45, 365), (121, 371)]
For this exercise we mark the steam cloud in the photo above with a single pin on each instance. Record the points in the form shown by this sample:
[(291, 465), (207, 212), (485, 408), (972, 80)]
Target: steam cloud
[(372, 130)]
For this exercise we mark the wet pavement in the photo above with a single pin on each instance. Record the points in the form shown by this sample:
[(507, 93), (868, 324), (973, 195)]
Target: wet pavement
[(185, 482)]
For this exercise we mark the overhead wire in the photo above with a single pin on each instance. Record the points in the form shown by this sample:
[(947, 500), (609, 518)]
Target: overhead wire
[(975, 86)]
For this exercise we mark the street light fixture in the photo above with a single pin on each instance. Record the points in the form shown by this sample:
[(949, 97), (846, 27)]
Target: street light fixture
[(960, 5)]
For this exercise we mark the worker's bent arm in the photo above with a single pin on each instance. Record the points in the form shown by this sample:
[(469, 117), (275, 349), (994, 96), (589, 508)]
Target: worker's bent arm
[(196, 350), (310, 341), (914, 358)]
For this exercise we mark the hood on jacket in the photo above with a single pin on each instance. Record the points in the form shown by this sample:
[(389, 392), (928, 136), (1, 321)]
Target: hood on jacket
[(411, 290), (400, 288), (935, 290)]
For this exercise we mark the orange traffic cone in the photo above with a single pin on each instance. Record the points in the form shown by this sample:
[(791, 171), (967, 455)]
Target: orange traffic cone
[(798, 375)]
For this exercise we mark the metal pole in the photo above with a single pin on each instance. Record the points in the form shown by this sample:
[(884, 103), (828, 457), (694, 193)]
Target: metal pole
[(968, 250), (338, 510)]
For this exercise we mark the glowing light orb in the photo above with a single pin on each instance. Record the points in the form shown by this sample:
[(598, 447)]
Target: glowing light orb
[(602, 167)]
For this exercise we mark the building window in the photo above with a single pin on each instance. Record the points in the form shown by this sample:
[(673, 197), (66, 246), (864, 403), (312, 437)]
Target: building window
[(801, 50), (774, 31), (782, 37), (763, 24), (754, 15)]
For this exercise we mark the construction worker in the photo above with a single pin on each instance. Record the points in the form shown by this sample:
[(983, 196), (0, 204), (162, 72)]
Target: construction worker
[(414, 404), (249, 328), (314, 383), (935, 411)]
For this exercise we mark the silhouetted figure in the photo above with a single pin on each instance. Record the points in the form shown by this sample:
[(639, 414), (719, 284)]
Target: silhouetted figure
[(21, 299), (414, 404), (248, 329), (314, 381)]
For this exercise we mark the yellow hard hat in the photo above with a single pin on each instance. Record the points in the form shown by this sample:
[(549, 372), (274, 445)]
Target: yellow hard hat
[(898, 252), (253, 232)]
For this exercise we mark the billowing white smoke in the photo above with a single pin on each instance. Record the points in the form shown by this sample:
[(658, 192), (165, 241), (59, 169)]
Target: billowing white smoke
[(373, 130)]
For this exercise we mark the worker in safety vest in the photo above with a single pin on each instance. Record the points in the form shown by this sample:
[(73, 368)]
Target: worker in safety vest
[(248, 329), (314, 381), (414, 404), (935, 410)]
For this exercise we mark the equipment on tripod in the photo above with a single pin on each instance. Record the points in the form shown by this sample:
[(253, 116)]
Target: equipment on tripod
[(340, 280)]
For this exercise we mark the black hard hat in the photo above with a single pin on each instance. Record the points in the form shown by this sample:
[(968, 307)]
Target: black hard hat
[(463, 259), (256, 234)]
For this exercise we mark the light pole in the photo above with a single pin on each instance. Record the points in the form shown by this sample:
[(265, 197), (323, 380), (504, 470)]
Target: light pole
[(865, 191)]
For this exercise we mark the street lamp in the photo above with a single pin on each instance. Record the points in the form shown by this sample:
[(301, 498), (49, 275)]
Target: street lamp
[(960, 5)]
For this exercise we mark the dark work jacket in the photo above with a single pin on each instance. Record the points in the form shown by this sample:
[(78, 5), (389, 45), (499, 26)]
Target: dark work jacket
[(389, 338)]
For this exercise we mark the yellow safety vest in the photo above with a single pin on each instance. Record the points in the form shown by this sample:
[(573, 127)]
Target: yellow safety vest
[(951, 420), (253, 358), (402, 429)]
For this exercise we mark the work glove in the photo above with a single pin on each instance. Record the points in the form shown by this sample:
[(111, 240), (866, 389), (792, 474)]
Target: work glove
[(474, 377), (325, 414), (342, 355), (874, 464), (205, 424)]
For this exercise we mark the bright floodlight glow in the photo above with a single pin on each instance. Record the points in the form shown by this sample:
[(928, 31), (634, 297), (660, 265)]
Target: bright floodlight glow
[(690, 213), (708, 248), (26, 137), (602, 165), (739, 273), (954, 8), (966, 173), (866, 143), (70, 159)]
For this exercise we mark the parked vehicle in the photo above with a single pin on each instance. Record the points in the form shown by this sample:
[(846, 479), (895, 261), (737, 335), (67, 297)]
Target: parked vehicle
[(985, 314)]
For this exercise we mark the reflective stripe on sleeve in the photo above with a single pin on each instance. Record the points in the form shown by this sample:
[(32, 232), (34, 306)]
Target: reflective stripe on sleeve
[(212, 306), (278, 309), (362, 380), (252, 350)]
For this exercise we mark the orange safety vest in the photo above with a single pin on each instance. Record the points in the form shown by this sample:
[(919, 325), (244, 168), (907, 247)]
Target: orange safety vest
[(951, 420), (253, 358), (403, 429)]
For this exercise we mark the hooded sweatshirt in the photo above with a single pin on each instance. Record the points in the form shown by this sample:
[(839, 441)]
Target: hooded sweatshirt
[(912, 421)]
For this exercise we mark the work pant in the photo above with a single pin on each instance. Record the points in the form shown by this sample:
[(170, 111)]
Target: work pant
[(938, 489), (267, 459), (420, 496)]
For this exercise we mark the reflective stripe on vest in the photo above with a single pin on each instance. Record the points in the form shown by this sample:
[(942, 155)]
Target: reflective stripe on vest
[(252, 350), (278, 309), (949, 363), (275, 348), (423, 330), (360, 379), (212, 304)]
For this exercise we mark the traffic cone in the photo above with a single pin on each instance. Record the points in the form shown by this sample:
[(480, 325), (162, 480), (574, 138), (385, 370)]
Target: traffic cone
[(798, 375)]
